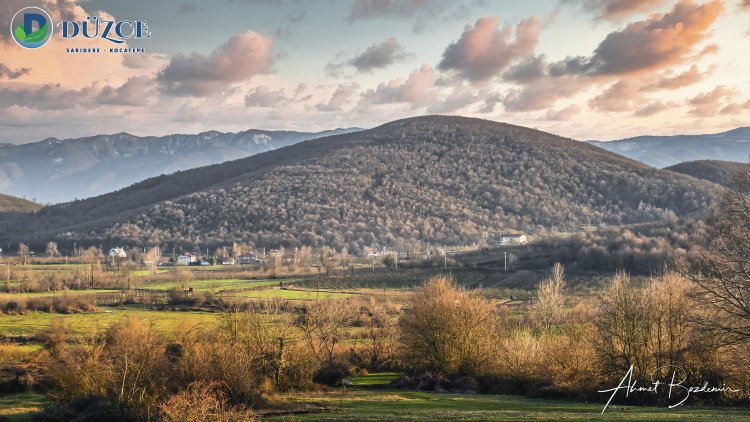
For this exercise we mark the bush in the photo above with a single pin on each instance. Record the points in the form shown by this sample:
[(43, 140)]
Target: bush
[(200, 402), (448, 330)]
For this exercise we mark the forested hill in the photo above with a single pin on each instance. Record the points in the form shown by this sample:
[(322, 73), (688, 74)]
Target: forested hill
[(12, 204), (434, 179), (720, 172)]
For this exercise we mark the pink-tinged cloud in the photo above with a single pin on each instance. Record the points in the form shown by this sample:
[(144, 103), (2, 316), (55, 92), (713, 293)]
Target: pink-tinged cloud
[(136, 92), (460, 97), (543, 93), (6, 72), (263, 96), (562, 115), (239, 59), (484, 50), (618, 97), (417, 89), (616, 10), (655, 108), (661, 40), (378, 56), (709, 103), (340, 97), (689, 77)]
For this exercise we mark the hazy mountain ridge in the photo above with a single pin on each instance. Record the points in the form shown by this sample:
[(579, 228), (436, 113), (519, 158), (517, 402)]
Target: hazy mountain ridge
[(435, 179), (55, 170), (720, 172), (665, 151)]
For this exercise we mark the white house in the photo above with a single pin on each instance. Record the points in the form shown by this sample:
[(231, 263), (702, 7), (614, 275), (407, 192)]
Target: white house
[(118, 253), (185, 259), (509, 239)]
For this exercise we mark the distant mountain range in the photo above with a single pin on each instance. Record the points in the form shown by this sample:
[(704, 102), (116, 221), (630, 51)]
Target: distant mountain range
[(665, 151), (720, 172), (54, 170), (436, 180)]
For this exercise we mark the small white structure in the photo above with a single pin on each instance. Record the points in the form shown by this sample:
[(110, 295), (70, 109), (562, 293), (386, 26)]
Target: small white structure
[(509, 239), (118, 253), (185, 259), (227, 260), (247, 259)]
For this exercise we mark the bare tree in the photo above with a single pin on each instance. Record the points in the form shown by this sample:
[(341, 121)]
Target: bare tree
[(323, 326), (721, 269), (449, 330), (23, 253), (548, 309), (52, 249)]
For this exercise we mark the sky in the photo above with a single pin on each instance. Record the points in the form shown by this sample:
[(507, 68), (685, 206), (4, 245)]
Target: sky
[(585, 69)]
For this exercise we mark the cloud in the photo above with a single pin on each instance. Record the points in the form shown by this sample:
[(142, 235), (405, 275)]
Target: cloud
[(263, 96), (135, 92), (618, 97), (187, 8), (6, 72), (544, 93), (531, 69), (655, 108), (239, 59), (339, 98), (460, 97), (379, 56), (659, 41), (564, 114), (484, 50), (616, 10), (417, 90), (489, 103), (421, 11), (708, 104), (689, 77), (46, 97)]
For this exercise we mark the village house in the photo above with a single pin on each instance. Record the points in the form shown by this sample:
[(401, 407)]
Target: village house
[(117, 253), (247, 259), (511, 239), (227, 260), (186, 259)]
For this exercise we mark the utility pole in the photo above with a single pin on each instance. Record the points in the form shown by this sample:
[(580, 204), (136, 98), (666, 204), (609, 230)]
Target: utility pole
[(445, 258), (396, 259), (373, 262), (505, 255)]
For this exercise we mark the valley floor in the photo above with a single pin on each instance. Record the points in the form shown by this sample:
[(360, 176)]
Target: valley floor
[(371, 399)]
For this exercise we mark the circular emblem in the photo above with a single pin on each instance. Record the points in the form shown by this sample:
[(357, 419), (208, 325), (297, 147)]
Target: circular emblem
[(31, 27)]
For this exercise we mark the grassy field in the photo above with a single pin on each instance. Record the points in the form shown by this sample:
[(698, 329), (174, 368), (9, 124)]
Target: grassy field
[(21, 407), (293, 294), (62, 293), (39, 322), (372, 400), (214, 285)]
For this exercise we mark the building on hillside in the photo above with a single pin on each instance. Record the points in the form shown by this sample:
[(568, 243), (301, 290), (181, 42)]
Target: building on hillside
[(227, 260), (511, 239), (247, 259), (186, 259), (118, 253)]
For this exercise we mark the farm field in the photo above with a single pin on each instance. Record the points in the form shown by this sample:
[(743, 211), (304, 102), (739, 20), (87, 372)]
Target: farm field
[(83, 323), (371, 399), (213, 285)]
